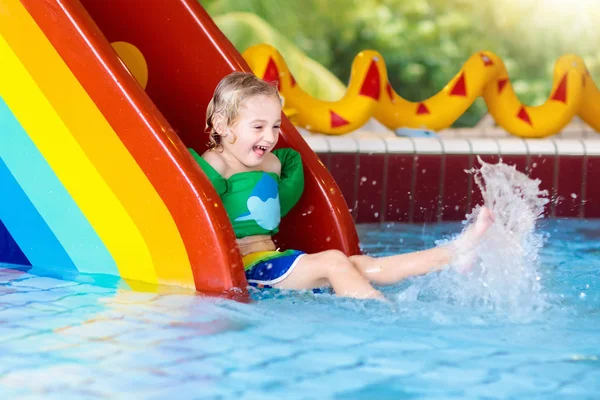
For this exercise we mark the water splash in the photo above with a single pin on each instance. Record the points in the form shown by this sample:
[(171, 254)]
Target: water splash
[(504, 273)]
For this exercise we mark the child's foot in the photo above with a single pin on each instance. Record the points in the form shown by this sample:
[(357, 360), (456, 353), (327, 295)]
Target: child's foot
[(465, 246), (475, 232)]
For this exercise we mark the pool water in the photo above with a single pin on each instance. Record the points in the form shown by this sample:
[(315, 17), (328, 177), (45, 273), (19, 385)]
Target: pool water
[(77, 339)]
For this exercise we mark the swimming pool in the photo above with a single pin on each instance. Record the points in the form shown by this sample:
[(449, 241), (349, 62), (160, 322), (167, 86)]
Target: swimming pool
[(73, 339)]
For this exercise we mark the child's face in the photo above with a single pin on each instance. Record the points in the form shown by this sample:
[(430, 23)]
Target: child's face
[(256, 129)]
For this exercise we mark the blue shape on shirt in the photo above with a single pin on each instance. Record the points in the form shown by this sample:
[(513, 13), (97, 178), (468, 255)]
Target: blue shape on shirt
[(263, 204)]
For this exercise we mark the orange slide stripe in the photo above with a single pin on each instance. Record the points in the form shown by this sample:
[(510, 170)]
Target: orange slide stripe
[(100, 143)]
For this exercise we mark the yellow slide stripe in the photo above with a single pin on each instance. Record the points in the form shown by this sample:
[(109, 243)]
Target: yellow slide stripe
[(76, 172), (107, 184)]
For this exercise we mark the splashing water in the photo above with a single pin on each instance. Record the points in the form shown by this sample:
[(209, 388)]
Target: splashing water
[(504, 266)]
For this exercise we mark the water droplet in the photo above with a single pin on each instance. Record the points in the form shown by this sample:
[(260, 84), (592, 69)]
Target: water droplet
[(503, 276), (376, 214), (328, 239), (363, 179), (581, 295), (374, 183), (573, 195)]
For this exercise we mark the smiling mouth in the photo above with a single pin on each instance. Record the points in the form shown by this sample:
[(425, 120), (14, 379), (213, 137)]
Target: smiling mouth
[(260, 150)]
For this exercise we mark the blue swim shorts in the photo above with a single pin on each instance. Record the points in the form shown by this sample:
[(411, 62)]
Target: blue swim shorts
[(266, 268)]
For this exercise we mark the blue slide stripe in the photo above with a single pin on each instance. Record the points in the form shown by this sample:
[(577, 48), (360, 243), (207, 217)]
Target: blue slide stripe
[(27, 226), (10, 252), (49, 197)]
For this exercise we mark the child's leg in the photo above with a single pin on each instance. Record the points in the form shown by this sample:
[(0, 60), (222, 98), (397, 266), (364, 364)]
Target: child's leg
[(393, 269), (329, 267)]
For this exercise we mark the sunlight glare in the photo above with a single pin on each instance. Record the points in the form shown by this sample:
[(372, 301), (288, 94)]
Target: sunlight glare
[(570, 7)]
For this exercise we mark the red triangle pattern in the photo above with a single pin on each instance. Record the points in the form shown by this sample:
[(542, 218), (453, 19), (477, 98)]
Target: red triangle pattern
[(272, 73), (337, 120), (390, 92), (371, 84), (522, 115), (560, 94), (460, 87), (422, 109), (501, 84), (293, 80), (486, 60)]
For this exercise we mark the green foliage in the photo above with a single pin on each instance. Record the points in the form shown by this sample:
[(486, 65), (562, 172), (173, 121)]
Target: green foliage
[(246, 30), (425, 42)]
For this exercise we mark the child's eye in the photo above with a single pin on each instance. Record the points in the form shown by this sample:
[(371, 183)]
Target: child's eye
[(276, 127), (258, 127)]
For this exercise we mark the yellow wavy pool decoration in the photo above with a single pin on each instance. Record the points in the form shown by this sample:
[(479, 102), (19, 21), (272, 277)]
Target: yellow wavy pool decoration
[(333, 117), (369, 94)]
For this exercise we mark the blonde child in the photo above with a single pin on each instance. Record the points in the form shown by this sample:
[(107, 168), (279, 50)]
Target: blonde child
[(259, 185)]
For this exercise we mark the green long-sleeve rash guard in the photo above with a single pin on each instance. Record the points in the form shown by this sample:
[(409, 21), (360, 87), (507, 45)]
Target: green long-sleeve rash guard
[(255, 201)]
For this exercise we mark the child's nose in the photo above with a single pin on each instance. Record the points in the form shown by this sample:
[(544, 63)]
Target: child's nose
[(269, 135)]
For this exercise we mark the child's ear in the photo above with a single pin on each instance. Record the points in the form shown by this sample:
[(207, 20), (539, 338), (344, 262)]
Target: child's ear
[(219, 124)]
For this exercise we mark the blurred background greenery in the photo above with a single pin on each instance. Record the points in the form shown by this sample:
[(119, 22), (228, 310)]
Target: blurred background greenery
[(424, 42)]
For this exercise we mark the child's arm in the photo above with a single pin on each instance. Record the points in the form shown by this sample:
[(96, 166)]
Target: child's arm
[(291, 182)]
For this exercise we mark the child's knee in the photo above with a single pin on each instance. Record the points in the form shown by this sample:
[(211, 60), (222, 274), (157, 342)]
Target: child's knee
[(336, 261), (336, 256), (362, 260)]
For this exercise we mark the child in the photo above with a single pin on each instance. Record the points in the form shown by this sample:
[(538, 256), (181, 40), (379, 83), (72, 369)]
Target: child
[(259, 185)]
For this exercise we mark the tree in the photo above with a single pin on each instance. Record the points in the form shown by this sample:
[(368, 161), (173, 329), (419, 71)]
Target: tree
[(424, 42)]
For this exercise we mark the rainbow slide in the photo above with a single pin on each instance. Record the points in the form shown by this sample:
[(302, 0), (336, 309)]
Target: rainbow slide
[(95, 176)]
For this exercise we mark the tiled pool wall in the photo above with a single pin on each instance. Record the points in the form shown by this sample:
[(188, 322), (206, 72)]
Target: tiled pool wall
[(416, 180)]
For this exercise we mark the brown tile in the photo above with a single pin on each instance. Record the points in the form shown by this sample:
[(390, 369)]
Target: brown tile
[(519, 161), (399, 187), (570, 180), (343, 168), (370, 188), (428, 172), (456, 186), (592, 188)]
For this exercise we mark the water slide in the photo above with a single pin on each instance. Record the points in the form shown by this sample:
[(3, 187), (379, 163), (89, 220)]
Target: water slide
[(95, 175)]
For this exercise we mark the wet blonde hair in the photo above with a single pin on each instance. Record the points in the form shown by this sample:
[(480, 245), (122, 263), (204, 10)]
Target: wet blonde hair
[(228, 98)]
